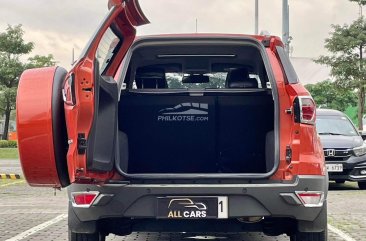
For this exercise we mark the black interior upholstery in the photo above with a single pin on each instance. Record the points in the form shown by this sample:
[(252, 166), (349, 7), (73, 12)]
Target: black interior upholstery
[(150, 78), (239, 78), (176, 133)]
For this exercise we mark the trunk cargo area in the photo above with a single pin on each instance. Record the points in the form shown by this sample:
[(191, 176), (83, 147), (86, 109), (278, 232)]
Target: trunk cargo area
[(197, 107), (218, 133)]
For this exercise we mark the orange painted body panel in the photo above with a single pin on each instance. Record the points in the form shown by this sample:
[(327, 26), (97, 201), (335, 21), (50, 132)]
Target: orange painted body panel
[(307, 154), (80, 117), (134, 13), (306, 146), (34, 123), (34, 126)]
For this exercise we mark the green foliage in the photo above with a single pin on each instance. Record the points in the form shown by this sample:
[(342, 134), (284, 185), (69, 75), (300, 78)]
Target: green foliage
[(8, 144), (359, 2), (12, 42), (39, 61), (351, 112), (346, 45), (12, 48), (328, 95)]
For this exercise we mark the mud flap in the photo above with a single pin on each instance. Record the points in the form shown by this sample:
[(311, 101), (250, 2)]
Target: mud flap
[(318, 225)]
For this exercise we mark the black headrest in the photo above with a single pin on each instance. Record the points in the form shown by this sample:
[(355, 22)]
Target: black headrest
[(150, 78), (239, 78)]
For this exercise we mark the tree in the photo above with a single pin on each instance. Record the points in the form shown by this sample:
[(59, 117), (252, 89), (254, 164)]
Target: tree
[(328, 95), (12, 48), (346, 45), (360, 3), (39, 61)]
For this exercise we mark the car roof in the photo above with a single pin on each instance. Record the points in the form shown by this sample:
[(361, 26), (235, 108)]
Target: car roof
[(324, 112), (259, 38)]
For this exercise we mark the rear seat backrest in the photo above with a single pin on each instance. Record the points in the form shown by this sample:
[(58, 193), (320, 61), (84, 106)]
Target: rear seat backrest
[(239, 78), (150, 78), (176, 133)]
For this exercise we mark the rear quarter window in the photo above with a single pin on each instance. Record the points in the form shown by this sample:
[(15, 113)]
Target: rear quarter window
[(107, 48), (287, 67)]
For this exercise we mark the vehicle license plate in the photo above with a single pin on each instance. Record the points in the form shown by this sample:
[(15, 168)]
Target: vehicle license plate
[(192, 207), (335, 167)]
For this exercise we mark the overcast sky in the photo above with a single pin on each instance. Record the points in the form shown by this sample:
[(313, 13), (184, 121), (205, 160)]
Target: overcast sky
[(58, 26)]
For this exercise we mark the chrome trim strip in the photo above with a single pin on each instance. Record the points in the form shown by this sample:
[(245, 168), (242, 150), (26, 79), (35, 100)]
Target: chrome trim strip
[(357, 177)]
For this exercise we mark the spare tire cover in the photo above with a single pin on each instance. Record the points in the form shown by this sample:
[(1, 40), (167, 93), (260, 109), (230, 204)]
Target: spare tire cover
[(42, 138)]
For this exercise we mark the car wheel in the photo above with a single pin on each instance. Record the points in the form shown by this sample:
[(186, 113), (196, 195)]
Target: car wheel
[(86, 237), (340, 181), (362, 185), (300, 236)]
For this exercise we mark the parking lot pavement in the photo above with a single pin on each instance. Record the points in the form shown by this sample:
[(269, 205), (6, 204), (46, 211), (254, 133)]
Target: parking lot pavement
[(37, 214), (10, 166), (347, 209), (24, 209)]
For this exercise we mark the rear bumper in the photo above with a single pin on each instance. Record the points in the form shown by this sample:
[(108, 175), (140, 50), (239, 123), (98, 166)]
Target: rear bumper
[(244, 200), (351, 169)]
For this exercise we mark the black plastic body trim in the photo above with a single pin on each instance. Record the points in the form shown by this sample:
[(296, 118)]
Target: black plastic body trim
[(101, 142), (59, 127), (138, 201)]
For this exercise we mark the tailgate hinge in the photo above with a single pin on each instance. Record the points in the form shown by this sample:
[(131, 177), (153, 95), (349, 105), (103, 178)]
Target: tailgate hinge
[(82, 144)]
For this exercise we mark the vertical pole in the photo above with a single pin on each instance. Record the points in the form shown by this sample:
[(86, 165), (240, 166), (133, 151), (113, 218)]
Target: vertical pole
[(73, 56), (196, 25), (361, 94), (285, 24), (256, 17)]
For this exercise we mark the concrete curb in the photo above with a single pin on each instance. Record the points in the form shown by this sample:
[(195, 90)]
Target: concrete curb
[(10, 176)]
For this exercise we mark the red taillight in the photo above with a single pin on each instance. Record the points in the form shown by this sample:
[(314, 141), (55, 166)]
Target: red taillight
[(305, 110), (311, 199), (83, 199)]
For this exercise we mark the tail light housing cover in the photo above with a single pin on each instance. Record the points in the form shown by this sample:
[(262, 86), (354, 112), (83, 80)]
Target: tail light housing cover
[(311, 199), (83, 199), (305, 110)]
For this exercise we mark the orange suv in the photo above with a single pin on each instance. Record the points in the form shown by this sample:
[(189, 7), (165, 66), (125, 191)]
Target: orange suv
[(175, 133)]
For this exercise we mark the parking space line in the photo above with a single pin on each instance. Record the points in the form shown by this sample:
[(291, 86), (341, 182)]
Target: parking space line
[(12, 183), (340, 233), (37, 228)]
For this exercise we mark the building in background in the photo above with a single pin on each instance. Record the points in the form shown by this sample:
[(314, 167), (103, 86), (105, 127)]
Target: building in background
[(310, 72)]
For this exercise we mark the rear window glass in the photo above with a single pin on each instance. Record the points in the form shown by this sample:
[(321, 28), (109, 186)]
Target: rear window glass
[(289, 70), (178, 80), (216, 81), (108, 46), (197, 65)]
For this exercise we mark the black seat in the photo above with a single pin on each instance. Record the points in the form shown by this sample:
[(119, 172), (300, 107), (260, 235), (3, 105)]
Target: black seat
[(150, 78), (239, 78)]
